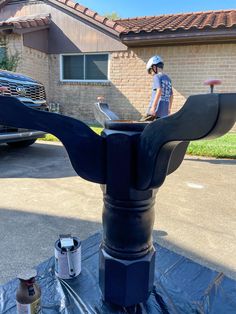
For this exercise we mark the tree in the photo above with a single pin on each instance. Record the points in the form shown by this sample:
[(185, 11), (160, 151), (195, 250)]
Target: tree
[(7, 62), (112, 16)]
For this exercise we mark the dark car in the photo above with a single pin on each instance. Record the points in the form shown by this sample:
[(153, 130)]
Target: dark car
[(32, 94)]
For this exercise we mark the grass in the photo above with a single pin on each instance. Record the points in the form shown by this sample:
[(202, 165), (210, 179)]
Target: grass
[(96, 129), (52, 138), (222, 147)]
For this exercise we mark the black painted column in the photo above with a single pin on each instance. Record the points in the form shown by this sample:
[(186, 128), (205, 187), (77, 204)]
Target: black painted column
[(127, 255)]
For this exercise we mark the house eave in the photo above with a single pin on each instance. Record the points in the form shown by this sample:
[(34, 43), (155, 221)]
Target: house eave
[(30, 29), (85, 18), (19, 31), (178, 37)]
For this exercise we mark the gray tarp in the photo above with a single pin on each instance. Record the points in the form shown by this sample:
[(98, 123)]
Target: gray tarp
[(181, 286)]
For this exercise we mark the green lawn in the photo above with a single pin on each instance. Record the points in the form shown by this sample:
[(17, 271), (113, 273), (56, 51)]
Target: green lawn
[(222, 147), (52, 138)]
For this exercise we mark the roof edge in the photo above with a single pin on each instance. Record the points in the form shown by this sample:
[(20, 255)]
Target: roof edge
[(26, 23), (173, 38), (90, 16), (173, 14)]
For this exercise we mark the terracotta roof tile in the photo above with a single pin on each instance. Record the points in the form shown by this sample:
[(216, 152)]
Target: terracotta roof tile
[(27, 21), (90, 13), (231, 18), (171, 22), (185, 21), (110, 23), (80, 7), (99, 18), (24, 24), (118, 28), (70, 4), (33, 23)]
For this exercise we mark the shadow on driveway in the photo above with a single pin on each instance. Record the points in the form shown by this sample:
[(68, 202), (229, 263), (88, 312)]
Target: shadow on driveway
[(28, 239), (41, 160)]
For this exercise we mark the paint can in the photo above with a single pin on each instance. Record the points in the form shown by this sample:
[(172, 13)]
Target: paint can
[(67, 257), (28, 294)]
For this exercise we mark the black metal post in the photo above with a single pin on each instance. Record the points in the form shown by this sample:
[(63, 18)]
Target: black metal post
[(130, 161), (127, 255)]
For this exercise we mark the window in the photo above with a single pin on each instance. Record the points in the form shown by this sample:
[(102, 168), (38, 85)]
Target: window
[(86, 67)]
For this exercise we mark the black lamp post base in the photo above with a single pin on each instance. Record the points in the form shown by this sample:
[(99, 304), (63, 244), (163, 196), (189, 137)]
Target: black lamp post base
[(130, 160), (126, 282)]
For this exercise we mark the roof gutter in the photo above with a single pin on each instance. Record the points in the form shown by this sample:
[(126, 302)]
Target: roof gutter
[(20, 31), (178, 37), (12, 29)]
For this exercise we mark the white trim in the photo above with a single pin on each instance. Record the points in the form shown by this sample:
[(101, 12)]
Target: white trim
[(84, 54), (108, 67), (85, 81), (60, 67), (84, 67)]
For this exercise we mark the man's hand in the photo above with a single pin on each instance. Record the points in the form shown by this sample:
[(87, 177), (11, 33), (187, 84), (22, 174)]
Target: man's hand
[(152, 112)]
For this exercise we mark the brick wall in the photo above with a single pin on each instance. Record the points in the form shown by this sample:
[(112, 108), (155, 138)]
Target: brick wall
[(129, 89), (123, 93), (188, 67), (14, 44), (35, 64), (130, 86), (31, 62), (75, 99)]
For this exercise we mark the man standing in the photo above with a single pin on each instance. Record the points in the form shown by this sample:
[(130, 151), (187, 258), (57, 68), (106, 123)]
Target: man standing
[(162, 93)]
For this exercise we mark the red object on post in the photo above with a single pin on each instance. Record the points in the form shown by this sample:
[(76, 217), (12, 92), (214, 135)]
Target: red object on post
[(212, 83)]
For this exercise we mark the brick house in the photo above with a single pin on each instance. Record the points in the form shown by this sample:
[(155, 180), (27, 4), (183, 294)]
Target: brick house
[(79, 55)]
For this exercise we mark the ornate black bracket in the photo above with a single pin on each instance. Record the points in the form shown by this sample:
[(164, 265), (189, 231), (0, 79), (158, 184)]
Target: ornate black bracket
[(130, 161)]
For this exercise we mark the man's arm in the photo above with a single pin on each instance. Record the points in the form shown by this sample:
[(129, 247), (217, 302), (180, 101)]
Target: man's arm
[(155, 102), (170, 104)]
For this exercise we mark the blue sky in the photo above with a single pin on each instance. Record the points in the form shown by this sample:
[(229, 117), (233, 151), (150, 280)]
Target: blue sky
[(133, 8)]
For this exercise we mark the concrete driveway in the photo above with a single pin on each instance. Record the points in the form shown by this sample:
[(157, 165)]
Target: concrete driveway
[(41, 197)]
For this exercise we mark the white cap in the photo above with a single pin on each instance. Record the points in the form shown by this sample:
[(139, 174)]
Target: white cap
[(27, 274)]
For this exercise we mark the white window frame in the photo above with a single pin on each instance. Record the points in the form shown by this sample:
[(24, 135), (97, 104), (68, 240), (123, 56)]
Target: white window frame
[(84, 54)]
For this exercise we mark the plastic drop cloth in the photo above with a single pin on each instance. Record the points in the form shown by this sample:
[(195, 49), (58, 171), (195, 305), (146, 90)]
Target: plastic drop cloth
[(181, 286)]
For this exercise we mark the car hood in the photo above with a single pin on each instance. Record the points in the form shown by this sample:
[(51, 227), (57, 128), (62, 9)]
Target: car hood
[(15, 76)]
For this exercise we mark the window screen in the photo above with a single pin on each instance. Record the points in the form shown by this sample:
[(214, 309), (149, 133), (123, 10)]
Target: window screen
[(96, 67), (85, 67), (73, 67)]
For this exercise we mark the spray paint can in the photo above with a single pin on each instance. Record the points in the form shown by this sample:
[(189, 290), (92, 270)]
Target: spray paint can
[(28, 294), (67, 257)]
